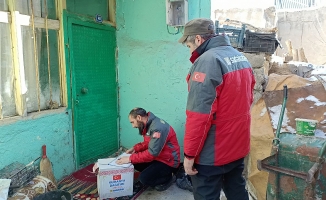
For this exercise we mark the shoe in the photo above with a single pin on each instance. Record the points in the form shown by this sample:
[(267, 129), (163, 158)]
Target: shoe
[(165, 186), (184, 183)]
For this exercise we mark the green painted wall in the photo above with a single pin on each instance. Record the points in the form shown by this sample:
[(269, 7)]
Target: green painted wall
[(21, 140), (152, 65)]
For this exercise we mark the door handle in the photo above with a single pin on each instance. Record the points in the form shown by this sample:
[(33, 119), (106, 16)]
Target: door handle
[(84, 90), (76, 101)]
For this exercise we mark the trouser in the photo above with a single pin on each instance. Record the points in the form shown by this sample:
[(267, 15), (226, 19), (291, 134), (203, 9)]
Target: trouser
[(154, 173), (209, 181)]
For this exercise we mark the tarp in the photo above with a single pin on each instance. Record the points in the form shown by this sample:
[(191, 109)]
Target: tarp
[(260, 148)]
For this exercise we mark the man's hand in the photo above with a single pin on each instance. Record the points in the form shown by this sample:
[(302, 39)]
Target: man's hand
[(123, 160), (189, 166), (131, 150)]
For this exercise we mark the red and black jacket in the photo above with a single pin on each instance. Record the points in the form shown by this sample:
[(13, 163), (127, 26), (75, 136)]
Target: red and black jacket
[(160, 143), (220, 84)]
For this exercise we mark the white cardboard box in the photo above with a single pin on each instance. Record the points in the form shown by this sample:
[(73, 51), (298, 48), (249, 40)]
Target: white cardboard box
[(114, 180)]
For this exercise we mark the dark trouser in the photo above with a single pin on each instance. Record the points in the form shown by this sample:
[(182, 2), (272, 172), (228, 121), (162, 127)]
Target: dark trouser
[(209, 181), (154, 173)]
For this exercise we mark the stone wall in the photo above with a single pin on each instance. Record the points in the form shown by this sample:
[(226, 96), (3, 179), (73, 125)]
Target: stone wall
[(258, 63)]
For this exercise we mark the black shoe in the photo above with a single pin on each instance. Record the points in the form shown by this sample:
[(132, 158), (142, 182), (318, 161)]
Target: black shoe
[(184, 183), (165, 186)]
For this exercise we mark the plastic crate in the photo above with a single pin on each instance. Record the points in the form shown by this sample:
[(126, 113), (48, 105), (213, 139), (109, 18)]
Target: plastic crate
[(235, 34), (19, 174), (260, 42)]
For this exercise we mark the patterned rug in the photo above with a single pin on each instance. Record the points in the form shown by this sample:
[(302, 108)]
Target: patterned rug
[(82, 184)]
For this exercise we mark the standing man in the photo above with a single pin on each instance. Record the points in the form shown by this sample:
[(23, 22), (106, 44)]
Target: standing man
[(217, 133), (159, 155)]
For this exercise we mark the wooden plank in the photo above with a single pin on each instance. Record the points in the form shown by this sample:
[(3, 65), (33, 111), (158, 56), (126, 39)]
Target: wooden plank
[(289, 47), (52, 24), (109, 23), (112, 12), (61, 5), (18, 62), (39, 22), (295, 54), (302, 56)]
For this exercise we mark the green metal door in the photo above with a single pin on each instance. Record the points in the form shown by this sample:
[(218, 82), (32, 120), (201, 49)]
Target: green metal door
[(93, 84)]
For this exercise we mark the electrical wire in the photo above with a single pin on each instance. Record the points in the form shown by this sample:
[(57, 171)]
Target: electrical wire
[(177, 32)]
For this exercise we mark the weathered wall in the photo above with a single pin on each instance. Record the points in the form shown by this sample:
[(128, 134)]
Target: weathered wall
[(21, 140), (152, 65), (257, 13), (307, 29), (258, 17)]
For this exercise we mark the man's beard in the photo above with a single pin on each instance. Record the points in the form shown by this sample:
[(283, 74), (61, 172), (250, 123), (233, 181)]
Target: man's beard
[(141, 127)]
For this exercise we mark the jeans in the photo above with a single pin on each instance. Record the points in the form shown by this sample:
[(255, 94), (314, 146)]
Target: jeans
[(154, 173), (209, 181)]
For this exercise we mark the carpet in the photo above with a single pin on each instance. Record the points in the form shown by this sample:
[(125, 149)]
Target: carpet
[(82, 184)]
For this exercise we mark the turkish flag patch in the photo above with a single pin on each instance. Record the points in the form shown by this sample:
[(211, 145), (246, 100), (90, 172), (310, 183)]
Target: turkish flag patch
[(117, 177), (156, 135), (199, 77)]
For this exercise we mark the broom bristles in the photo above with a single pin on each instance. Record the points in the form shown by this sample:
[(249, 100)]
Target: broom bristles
[(46, 168)]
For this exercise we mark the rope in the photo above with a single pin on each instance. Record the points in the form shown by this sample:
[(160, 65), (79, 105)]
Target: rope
[(36, 60), (48, 49)]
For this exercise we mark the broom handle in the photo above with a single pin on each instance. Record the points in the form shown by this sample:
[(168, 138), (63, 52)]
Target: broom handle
[(44, 151)]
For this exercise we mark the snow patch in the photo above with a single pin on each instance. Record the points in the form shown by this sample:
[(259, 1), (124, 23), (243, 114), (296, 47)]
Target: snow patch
[(299, 100), (320, 133), (277, 59), (263, 111), (319, 70), (323, 122), (275, 112), (313, 99), (312, 78)]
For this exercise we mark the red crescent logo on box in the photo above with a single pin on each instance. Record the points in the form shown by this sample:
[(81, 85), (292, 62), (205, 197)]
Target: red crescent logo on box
[(199, 77), (117, 177)]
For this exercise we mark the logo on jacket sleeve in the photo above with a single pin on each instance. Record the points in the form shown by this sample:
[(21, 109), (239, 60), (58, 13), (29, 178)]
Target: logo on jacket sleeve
[(199, 77), (156, 135)]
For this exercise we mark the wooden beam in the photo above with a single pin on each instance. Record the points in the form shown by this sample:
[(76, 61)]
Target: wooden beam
[(61, 5), (18, 61), (289, 47), (26, 20), (52, 24), (302, 56), (295, 54), (112, 12)]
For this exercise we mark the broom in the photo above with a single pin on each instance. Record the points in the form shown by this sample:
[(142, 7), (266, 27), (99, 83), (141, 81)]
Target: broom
[(46, 167)]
